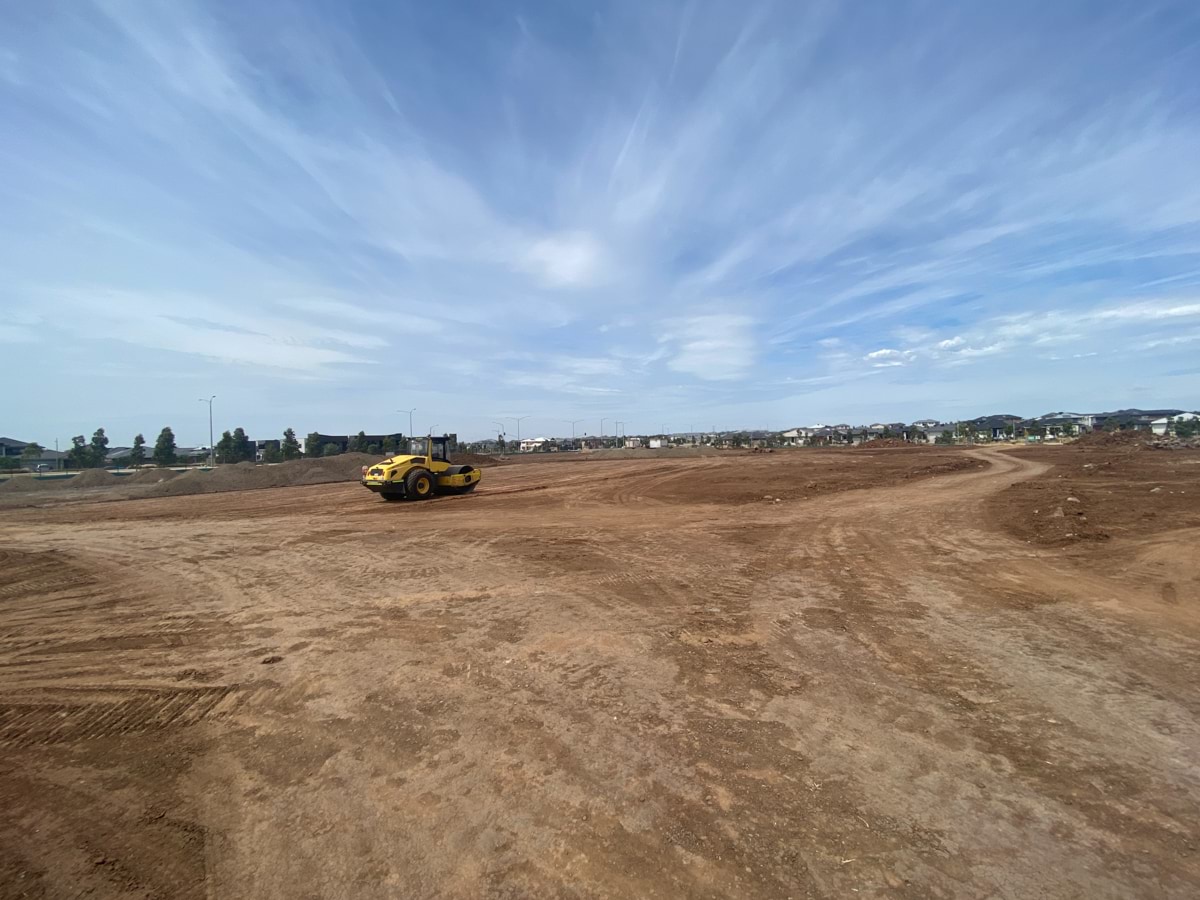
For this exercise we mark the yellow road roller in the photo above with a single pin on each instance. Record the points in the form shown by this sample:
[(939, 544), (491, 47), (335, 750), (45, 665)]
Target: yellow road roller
[(419, 474)]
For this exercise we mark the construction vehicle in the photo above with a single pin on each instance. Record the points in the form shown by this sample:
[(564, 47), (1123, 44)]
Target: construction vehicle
[(419, 474)]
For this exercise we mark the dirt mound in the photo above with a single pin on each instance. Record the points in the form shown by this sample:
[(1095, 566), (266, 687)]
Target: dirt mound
[(249, 477), (27, 484), (1114, 440), (1175, 443), (92, 478)]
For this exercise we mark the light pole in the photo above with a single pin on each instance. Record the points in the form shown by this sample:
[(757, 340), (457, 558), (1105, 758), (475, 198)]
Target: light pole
[(518, 420), (209, 401), (602, 421), (573, 422), (620, 426), (503, 435), (410, 412)]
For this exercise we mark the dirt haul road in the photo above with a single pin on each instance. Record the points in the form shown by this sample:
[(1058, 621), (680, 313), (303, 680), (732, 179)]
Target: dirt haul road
[(597, 680)]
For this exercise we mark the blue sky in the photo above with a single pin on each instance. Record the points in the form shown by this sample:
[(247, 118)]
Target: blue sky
[(715, 214)]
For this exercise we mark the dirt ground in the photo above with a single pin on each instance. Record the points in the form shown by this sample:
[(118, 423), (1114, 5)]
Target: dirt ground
[(615, 679)]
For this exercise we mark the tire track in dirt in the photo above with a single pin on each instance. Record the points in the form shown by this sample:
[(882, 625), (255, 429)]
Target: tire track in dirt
[(121, 712)]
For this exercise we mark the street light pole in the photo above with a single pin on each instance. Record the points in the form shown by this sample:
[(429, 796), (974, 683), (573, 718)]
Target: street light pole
[(410, 412), (211, 450), (518, 420), (573, 422)]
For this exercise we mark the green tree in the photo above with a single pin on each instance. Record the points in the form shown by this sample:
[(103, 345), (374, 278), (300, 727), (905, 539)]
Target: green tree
[(1186, 428), (224, 448), (312, 445), (331, 449), (243, 449), (272, 454), (373, 449), (1009, 430), (358, 443), (98, 450), (32, 451), (290, 448), (164, 448), (78, 456), (945, 437), (137, 453), (389, 446)]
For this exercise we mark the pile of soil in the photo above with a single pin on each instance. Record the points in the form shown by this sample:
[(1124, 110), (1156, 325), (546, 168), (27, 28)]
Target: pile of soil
[(91, 478), (247, 476), (26, 485), (1175, 443), (1114, 440)]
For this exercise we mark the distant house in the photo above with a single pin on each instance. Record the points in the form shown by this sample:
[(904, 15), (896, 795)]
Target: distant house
[(14, 449), (184, 456), (1131, 418), (791, 438), (997, 427), (1166, 424), (532, 445), (933, 433)]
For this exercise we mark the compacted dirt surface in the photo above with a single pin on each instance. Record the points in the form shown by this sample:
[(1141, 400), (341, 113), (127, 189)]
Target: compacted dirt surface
[(808, 674)]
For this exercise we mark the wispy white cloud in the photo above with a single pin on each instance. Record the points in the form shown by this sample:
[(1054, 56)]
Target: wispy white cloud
[(715, 347), (888, 357), (564, 261)]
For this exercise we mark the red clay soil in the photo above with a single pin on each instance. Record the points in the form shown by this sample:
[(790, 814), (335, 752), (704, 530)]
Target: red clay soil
[(1101, 489), (610, 679)]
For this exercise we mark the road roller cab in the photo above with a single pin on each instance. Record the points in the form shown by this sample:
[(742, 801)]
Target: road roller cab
[(422, 472)]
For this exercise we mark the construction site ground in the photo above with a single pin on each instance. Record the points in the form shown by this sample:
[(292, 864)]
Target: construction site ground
[(894, 673)]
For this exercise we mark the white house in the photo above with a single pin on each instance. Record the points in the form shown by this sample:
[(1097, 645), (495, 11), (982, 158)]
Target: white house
[(1165, 425), (529, 445)]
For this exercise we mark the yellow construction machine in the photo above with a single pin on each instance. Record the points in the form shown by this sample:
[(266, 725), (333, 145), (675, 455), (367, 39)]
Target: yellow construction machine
[(419, 474)]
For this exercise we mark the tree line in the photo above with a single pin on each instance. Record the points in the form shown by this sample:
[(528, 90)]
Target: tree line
[(357, 444), (93, 454), (233, 447)]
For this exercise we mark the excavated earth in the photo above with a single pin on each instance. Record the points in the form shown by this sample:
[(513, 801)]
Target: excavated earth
[(799, 674)]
